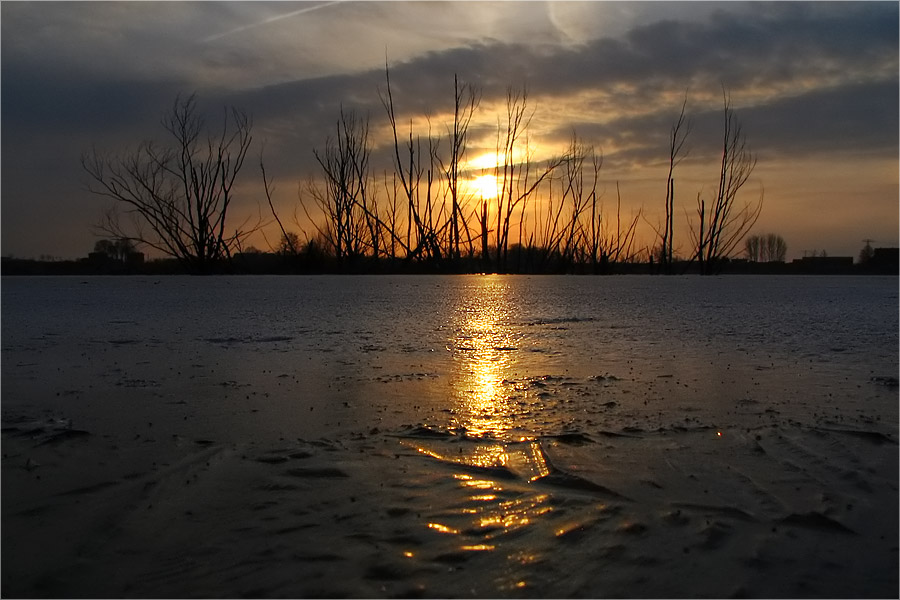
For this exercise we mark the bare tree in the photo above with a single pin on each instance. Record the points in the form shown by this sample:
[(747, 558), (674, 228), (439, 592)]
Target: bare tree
[(677, 138), (518, 178), (343, 200), (567, 230), (752, 247), (290, 243), (410, 169), (618, 245), (116, 249), (175, 197), (725, 224), (466, 98), (594, 243), (776, 248), (770, 247), (867, 253)]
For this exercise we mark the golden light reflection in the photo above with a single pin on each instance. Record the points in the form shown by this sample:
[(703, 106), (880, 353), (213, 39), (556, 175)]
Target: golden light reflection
[(483, 497), (484, 348), (536, 460), (442, 528), (487, 456), (493, 463), (480, 484), (514, 514), (478, 547)]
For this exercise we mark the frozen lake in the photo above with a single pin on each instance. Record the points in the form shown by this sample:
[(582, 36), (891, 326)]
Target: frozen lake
[(630, 387), (458, 344)]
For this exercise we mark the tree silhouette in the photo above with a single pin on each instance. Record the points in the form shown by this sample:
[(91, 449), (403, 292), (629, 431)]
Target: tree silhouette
[(765, 248), (345, 164), (175, 196), (678, 135), (466, 98), (866, 254), (724, 225), (116, 249), (409, 168)]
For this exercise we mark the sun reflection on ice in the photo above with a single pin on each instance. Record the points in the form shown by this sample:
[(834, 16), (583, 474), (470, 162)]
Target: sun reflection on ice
[(494, 463), (484, 349)]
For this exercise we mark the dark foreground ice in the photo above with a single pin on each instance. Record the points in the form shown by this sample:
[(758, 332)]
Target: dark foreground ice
[(450, 437)]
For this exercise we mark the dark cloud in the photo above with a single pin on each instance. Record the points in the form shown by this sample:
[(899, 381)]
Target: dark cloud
[(848, 120), (66, 103), (845, 121)]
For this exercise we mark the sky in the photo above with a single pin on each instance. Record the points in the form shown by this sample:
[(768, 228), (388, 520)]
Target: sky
[(814, 84)]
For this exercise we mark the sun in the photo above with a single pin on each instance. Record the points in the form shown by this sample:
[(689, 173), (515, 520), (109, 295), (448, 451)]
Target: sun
[(485, 186)]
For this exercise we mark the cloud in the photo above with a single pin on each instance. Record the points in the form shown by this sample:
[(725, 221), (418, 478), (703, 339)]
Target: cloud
[(57, 101), (801, 77), (851, 119), (272, 19)]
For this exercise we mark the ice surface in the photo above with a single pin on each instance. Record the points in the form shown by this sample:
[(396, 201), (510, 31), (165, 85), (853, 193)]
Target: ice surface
[(451, 436)]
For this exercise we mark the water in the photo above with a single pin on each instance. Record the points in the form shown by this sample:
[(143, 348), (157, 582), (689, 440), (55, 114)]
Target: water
[(455, 436)]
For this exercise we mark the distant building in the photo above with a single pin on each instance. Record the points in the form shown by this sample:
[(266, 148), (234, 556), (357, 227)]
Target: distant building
[(823, 264), (885, 260)]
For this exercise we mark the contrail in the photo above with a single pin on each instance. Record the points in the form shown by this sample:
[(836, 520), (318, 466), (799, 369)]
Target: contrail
[(271, 20)]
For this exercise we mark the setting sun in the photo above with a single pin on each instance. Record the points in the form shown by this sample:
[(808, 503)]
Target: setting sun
[(485, 186)]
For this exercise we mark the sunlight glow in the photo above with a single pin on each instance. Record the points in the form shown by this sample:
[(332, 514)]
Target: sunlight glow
[(485, 161), (492, 160), (485, 186)]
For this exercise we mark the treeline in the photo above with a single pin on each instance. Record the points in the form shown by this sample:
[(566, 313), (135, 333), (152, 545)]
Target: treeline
[(421, 213), (271, 263)]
